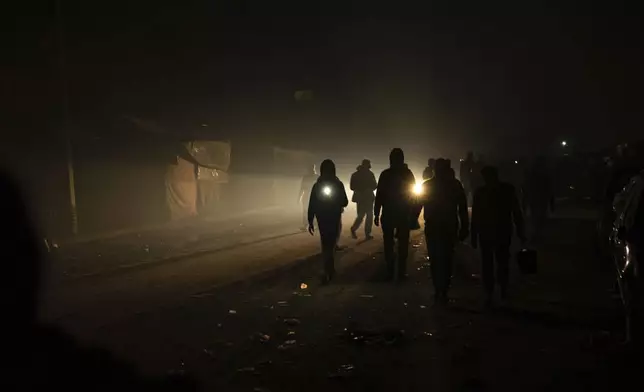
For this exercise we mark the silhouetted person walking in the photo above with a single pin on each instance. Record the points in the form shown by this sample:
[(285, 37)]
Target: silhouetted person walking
[(394, 196), (446, 220), (465, 174), (494, 211), (328, 199), (363, 184), (429, 170), (305, 194)]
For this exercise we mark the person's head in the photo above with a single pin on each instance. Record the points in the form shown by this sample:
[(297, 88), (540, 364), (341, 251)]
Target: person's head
[(366, 164), (311, 169), (327, 169), (396, 157), (431, 163), (490, 175), (441, 168)]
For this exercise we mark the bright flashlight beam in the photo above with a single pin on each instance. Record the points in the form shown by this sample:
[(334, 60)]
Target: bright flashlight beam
[(418, 188), (326, 191), (564, 143)]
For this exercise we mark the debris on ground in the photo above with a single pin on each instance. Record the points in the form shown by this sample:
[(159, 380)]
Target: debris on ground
[(282, 303), (248, 369), (291, 333), (231, 311), (303, 286), (287, 344), (261, 337), (366, 296), (342, 372), (423, 306), (292, 322), (389, 336), (415, 246)]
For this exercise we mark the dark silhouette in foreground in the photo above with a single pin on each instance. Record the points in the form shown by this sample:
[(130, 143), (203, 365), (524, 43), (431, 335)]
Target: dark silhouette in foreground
[(363, 184), (39, 357), (446, 221), (328, 200), (494, 212), (394, 196)]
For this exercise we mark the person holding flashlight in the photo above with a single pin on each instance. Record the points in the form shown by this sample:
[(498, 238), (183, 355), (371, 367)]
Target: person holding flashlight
[(327, 202)]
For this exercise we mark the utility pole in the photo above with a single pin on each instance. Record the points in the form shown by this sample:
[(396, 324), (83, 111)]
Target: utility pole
[(65, 115)]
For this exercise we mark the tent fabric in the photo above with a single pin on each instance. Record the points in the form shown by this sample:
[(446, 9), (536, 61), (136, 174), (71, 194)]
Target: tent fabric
[(214, 155), (181, 189)]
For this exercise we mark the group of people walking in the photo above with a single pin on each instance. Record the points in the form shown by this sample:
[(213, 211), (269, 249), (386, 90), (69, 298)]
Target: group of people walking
[(397, 206)]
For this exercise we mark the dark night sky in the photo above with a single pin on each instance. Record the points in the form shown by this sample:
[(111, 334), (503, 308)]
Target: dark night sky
[(433, 78)]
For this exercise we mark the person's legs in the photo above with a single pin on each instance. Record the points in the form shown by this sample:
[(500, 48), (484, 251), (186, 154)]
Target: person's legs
[(403, 249), (502, 256), (487, 267), (388, 240), (369, 223), (358, 220)]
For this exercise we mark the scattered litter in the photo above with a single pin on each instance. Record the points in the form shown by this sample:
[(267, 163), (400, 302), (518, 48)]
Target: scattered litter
[(232, 311), (282, 303), (423, 306), (343, 371), (302, 293), (261, 337), (405, 303), (54, 245), (292, 322), (304, 286), (291, 333), (287, 344), (371, 337), (415, 246), (264, 363), (428, 333), (366, 296), (476, 276), (248, 369)]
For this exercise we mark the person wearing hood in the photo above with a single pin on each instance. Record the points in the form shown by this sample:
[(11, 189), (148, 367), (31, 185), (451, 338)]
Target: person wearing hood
[(394, 197), (327, 202), (363, 184), (446, 220), (429, 170)]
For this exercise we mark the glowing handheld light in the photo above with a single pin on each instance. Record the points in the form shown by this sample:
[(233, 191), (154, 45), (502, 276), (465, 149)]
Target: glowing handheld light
[(418, 189), (326, 191)]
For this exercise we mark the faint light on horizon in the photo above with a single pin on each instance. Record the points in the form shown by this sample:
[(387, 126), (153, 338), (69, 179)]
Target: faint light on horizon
[(564, 143)]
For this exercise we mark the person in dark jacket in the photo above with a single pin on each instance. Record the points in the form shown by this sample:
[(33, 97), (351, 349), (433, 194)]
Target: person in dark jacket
[(327, 202), (494, 211), (429, 170), (446, 220), (363, 184), (305, 194), (394, 196)]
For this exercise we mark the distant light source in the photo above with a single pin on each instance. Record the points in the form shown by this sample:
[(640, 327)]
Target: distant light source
[(516, 162), (418, 189), (564, 143)]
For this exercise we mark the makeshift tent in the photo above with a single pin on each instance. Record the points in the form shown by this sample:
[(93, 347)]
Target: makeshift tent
[(193, 183)]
